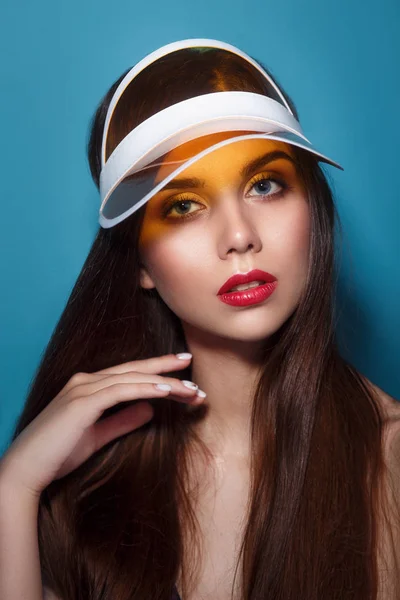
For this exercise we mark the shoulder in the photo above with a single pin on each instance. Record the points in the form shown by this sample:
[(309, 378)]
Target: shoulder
[(391, 431), (389, 519), (390, 408), (49, 595)]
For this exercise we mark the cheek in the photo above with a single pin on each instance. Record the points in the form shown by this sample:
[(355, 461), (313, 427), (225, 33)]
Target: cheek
[(289, 250), (291, 234), (173, 263)]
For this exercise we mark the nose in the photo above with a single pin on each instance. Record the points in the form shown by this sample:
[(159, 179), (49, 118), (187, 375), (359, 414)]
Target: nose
[(238, 230)]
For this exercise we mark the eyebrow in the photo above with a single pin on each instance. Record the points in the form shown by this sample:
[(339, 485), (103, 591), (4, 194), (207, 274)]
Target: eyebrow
[(246, 171)]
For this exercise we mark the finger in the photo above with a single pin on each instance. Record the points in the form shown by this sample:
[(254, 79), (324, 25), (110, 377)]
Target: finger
[(98, 402), (178, 387), (160, 364), (156, 364)]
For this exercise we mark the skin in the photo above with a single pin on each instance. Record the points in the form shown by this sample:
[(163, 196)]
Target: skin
[(234, 228)]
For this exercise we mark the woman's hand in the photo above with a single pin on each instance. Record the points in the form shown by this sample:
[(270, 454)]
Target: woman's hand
[(66, 433)]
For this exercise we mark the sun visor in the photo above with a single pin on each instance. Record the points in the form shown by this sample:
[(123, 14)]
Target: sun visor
[(141, 164)]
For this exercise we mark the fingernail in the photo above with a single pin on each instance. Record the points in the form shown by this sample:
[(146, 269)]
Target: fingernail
[(199, 397), (184, 355), (190, 384), (163, 386)]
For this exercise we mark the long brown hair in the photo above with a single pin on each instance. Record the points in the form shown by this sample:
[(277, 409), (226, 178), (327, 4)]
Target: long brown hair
[(113, 529)]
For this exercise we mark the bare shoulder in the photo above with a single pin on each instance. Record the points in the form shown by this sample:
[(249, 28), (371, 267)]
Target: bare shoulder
[(391, 410), (389, 530), (389, 404), (49, 595)]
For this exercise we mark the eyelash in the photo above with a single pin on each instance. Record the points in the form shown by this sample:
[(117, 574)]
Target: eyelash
[(256, 179)]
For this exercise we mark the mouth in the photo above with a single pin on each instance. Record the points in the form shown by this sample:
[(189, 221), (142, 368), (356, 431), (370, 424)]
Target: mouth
[(245, 281)]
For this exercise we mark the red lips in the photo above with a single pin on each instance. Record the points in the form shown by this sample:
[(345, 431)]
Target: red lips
[(239, 279)]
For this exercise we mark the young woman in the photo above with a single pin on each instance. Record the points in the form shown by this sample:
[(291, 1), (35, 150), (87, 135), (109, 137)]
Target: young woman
[(180, 436)]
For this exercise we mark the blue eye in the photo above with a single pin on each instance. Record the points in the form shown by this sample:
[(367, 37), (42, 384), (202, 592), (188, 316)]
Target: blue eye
[(263, 186)]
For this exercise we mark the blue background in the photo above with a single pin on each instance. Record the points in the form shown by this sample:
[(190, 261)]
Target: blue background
[(337, 60)]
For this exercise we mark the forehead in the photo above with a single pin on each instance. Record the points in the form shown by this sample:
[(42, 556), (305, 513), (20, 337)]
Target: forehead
[(230, 157)]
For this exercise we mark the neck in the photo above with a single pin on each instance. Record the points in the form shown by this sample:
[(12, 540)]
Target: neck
[(227, 371)]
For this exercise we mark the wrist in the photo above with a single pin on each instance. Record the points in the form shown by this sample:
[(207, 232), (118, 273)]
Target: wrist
[(12, 493)]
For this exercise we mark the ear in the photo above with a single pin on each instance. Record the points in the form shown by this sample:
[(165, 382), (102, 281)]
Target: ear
[(146, 281)]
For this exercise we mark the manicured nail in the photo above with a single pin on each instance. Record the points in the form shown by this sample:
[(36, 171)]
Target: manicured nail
[(163, 386), (199, 397), (184, 355), (189, 384)]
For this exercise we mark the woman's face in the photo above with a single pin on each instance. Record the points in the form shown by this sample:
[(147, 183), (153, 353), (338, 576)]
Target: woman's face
[(241, 218)]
